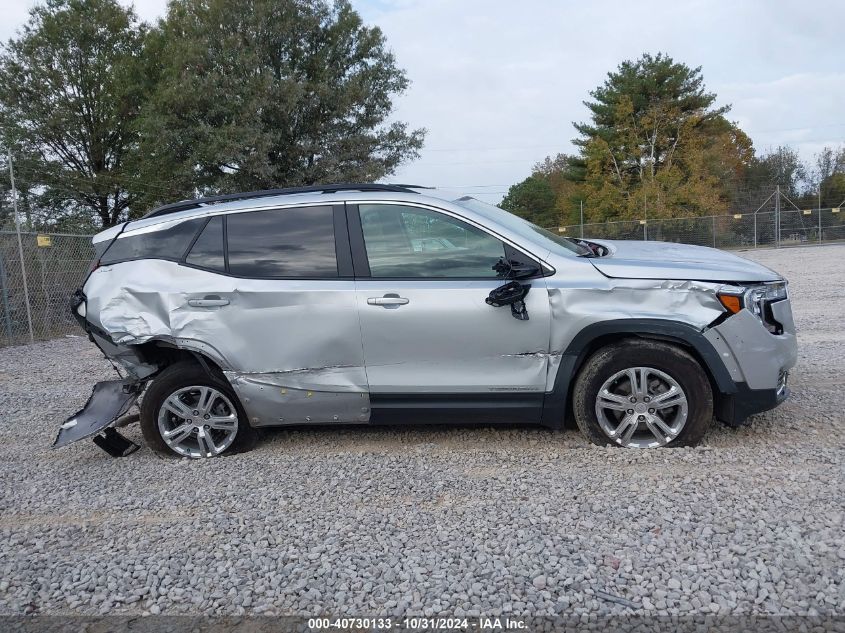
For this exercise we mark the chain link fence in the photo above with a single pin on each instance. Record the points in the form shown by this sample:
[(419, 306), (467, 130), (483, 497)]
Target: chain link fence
[(55, 263), (788, 227)]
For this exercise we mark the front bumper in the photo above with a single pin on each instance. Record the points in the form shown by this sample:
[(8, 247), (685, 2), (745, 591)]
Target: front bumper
[(736, 408), (757, 360)]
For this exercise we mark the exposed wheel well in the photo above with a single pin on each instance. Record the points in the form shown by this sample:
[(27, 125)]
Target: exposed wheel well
[(164, 355)]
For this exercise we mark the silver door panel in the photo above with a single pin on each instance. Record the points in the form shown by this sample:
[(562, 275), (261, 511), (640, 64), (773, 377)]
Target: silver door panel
[(446, 339)]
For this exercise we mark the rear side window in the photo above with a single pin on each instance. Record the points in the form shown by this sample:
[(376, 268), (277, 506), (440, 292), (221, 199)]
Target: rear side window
[(296, 242), (169, 243), (207, 251)]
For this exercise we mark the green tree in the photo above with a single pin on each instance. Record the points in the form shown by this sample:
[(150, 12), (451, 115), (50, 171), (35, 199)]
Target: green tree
[(534, 200), (781, 166), (267, 93), (828, 176), (564, 177), (71, 85), (656, 144)]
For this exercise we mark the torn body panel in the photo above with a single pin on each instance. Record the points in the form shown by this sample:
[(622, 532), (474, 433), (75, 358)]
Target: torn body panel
[(760, 358), (109, 400), (261, 325), (126, 356), (581, 296), (299, 335)]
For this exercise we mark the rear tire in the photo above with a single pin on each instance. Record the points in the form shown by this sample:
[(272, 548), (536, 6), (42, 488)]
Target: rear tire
[(652, 394), (189, 412)]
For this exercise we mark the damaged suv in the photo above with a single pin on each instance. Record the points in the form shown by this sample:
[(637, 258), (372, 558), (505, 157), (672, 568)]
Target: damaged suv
[(363, 304)]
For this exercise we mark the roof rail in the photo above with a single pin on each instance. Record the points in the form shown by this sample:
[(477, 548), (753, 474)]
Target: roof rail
[(184, 205)]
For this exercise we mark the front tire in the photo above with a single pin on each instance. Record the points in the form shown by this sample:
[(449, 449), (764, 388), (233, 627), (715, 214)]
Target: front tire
[(643, 394), (188, 412)]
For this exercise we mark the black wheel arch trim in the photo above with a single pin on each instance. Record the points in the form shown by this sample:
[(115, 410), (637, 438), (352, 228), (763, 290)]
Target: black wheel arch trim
[(584, 343)]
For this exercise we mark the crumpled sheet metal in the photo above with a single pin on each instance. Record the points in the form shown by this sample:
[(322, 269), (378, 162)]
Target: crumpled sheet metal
[(110, 399), (285, 327), (578, 303), (761, 357)]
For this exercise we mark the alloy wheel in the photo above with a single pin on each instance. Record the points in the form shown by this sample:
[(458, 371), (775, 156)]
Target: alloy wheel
[(198, 421), (641, 407)]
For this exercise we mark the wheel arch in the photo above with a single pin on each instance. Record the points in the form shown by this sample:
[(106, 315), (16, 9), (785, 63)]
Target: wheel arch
[(165, 353), (557, 406)]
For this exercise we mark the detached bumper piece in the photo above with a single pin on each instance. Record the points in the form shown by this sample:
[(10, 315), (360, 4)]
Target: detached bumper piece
[(110, 400), (115, 444)]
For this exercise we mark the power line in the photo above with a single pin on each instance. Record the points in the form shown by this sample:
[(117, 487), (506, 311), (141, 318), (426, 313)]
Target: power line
[(548, 145)]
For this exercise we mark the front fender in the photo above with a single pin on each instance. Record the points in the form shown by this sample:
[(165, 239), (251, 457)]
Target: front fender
[(593, 336)]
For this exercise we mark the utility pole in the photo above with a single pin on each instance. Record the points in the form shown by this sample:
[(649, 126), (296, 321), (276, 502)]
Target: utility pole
[(20, 246)]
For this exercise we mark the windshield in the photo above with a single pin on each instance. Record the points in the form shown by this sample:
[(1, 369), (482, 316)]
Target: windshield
[(524, 228)]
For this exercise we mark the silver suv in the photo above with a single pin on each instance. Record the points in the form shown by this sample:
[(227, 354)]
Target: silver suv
[(370, 304)]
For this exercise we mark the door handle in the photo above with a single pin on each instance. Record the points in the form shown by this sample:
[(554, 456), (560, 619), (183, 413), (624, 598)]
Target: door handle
[(389, 300), (209, 301)]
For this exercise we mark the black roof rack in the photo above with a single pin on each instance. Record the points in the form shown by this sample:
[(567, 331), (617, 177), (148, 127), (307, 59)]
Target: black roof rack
[(184, 205)]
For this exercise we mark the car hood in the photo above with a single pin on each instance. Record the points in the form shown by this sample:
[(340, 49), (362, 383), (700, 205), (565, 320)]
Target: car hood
[(667, 260)]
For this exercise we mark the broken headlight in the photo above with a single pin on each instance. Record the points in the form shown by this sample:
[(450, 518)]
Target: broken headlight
[(757, 299)]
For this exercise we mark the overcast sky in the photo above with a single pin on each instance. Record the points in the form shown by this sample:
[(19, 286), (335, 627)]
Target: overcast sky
[(498, 83)]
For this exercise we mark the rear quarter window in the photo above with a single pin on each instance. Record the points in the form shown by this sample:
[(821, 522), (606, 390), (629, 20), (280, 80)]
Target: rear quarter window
[(207, 251), (170, 243)]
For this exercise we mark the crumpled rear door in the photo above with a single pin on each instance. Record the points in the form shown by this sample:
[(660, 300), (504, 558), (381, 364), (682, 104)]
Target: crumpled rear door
[(109, 400)]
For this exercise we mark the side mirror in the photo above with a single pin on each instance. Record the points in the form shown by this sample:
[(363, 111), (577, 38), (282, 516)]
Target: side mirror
[(512, 269), (512, 294)]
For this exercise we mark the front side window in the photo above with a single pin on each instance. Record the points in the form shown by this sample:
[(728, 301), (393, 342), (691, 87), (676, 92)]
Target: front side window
[(411, 242), (297, 242)]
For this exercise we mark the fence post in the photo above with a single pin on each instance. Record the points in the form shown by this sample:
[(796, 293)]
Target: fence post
[(755, 229), (713, 224), (46, 315), (777, 217), (20, 247), (582, 219), (820, 226)]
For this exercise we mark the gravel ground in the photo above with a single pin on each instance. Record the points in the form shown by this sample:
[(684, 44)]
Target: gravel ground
[(434, 520)]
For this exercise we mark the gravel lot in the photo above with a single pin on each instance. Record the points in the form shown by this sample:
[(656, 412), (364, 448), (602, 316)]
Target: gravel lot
[(433, 520)]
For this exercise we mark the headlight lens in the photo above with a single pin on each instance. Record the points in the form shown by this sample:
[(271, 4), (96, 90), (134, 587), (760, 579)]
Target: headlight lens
[(757, 297)]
